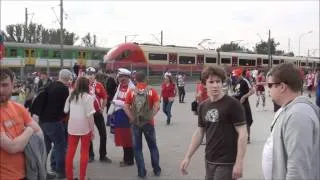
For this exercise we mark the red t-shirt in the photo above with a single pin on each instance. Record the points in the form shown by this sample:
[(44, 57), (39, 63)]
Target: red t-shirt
[(203, 92), (153, 97), (97, 89), (168, 91)]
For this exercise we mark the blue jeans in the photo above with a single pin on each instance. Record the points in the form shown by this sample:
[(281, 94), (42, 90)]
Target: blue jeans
[(150, 135), (166, 107), (55, 132)]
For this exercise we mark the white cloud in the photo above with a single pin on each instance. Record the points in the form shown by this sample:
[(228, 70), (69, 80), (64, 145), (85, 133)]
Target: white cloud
[(183, 22)]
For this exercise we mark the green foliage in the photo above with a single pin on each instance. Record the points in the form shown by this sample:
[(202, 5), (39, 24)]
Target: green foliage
[(89, 41), (230, 47), (36, 33), (263, 48)]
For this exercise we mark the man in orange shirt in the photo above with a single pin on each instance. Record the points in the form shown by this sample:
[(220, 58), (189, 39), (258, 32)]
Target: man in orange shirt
[(147, 129), (16, 127)]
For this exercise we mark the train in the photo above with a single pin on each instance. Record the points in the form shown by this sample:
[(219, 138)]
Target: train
[(40, 57), (156, 58)]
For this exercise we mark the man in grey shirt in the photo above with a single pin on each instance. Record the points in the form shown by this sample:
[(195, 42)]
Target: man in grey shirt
[(293, 149)]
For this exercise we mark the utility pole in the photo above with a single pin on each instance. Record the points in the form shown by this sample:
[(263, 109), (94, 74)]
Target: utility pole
[(269, 50), (25, 25), (308, 58), (61, 33), (288, 45), (161, 38)]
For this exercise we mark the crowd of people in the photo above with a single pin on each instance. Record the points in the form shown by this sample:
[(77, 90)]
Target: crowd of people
[(63, 112)]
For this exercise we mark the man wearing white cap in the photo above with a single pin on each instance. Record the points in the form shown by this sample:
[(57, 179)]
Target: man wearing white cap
[(122, 131), (96, 89)]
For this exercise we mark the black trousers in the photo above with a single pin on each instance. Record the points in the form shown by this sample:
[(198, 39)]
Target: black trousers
[(182, 93), (99, 122), (128, 156)]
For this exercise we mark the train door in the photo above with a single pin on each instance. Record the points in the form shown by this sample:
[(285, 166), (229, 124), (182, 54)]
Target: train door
[(82, 57), (234, 61), (281, 61), (29, 55), (259, 62), (200, 59), (173, 58)]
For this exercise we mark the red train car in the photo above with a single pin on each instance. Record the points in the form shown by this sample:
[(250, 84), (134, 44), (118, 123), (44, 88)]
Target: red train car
[(156, 58)]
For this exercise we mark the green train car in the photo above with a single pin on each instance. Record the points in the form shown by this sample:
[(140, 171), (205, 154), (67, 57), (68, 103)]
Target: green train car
[(41, 57)]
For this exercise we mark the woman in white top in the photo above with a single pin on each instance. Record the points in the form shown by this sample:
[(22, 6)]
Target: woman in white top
[(80, 125)]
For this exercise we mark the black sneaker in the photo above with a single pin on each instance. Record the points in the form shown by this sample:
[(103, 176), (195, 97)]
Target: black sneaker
[(51, 176), (158, 173), (61, 176), (91, 159), (105, 160), (124, 164)]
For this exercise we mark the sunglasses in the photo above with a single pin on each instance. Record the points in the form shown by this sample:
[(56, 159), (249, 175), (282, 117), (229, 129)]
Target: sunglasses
[(271, 84)]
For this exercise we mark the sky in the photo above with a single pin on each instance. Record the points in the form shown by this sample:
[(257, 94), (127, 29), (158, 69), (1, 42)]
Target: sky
[(184, 23)]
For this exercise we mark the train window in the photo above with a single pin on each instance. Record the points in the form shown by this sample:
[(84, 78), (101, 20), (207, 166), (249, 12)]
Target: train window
[(187, 60), (45, 53), (281, 61), (159, 57), (310, 64), (26, 53), (13, 53), (302, 64), (33, 53), (97, 55), (225, 60), (124, 55), (56, 54), (68, 54), (247, 62), (211, 60), (276, 61), (84, 54), (318, 65), (265, 61)]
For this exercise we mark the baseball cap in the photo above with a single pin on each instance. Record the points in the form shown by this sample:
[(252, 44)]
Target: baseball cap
[(91, 70)]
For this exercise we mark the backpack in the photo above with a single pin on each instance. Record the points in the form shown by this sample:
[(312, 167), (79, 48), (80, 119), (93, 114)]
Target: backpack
[(39, 102), (140, 107)]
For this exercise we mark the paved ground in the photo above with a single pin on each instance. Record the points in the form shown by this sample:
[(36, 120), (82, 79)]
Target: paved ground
[(173, 141)]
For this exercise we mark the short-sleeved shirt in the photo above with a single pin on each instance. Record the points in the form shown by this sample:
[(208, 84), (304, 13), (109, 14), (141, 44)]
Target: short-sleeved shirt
[(202, 90), (80, 112), (13, 119), (97, 89), (242, 88), (153, 97), (219, 120)]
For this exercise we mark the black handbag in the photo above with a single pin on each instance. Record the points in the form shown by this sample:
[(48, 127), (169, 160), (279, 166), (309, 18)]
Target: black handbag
[(194, 106)]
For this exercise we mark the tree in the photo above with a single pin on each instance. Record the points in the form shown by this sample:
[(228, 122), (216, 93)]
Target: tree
[(230, 47), (89, 41), (291, 54), (263, 48), (36, 33), (15, 33)]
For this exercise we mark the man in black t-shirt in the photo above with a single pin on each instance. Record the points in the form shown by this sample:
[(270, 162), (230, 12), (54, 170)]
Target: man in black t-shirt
[(51, 121), (244, 90), (221, 118)]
